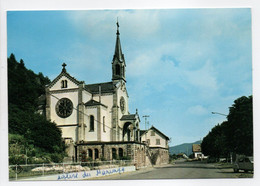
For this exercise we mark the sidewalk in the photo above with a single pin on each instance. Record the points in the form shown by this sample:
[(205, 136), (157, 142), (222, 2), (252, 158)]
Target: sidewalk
[(83, 175), (138, 171)]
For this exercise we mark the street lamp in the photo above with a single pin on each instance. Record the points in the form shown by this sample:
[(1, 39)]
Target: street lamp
[(231, 161), (219, 113)]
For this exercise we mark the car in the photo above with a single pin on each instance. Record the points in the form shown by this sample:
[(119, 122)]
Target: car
[(245, 163)]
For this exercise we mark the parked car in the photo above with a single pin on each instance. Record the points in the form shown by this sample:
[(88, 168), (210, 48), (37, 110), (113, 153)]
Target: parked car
[(244, 163)]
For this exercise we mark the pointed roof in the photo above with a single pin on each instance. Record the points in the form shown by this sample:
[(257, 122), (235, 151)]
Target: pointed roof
[(94, 103), (156, 130), (118, 50), (196, 148), (66, 74)]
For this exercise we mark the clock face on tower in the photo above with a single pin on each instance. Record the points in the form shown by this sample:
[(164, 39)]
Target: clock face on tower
[(122, 105), (64, 107)]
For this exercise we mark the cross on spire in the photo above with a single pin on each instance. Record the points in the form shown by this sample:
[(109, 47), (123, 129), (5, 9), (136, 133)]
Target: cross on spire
[(64, 69), (117, 24)]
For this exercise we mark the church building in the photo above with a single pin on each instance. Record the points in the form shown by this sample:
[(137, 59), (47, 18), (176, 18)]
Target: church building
[(95, 119)]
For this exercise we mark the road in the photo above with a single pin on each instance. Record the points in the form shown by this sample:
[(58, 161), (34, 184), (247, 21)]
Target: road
[(179, 170)]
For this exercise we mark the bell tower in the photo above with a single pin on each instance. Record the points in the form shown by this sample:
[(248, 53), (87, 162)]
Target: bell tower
[(118, 63)]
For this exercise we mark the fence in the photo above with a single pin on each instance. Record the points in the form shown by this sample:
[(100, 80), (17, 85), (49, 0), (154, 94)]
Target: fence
[(30, 170)]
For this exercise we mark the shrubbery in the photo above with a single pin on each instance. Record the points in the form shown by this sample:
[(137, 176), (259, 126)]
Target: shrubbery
[(29, 132)]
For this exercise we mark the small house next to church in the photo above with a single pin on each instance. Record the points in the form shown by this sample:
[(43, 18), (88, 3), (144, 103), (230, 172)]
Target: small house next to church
[(158, 145), (95, 119)]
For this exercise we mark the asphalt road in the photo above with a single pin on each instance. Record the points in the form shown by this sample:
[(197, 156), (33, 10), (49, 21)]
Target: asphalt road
[(179, 170)]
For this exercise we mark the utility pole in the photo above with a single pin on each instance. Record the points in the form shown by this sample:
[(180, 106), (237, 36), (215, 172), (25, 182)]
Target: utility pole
[(145, 123), (145, 120)]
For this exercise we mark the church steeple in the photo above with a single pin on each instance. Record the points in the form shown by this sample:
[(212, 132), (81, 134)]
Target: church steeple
[(118, 63)]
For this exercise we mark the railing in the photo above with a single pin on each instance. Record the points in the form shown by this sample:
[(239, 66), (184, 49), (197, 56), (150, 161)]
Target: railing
[(31, 170)]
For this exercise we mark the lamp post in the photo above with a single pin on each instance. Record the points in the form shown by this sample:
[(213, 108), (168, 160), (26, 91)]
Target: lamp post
[(219, 113), (226, 116)]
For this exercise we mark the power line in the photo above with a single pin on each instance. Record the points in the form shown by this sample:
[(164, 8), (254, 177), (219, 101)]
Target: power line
[(89, 116), (77, 109)]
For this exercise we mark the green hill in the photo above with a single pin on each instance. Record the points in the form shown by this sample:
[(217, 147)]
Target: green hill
[(183, 148), (31, 136)]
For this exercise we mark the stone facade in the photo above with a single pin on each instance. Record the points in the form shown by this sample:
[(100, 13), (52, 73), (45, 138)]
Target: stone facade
[(135, 151)]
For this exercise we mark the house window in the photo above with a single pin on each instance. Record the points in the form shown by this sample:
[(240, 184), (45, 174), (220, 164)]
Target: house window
[(157, 141), (148, 141), (64, 84), (104, 124), (152, 133), (91, 124)]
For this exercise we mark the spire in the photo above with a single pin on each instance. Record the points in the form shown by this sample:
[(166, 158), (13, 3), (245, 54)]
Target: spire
[(118, 51), (118, 63)]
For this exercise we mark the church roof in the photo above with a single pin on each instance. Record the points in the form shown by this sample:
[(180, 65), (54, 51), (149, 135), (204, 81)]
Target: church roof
[(142, 132), (128, 117), (94, 103), (107, 87)]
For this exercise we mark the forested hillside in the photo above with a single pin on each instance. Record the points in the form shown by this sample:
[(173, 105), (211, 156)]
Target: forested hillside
[(31, 137), (183, 148)]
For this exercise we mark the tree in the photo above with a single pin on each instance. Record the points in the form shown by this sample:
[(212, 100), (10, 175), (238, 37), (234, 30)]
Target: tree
[(214, 144), (24, 89), (234, 135), (240, 126)]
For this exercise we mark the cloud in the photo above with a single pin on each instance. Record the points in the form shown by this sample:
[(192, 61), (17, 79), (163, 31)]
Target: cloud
[(203, 78), (98, 24), (198, 110)]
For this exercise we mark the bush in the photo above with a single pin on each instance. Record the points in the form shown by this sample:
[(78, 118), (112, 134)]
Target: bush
[(56, 157), (126, 158)]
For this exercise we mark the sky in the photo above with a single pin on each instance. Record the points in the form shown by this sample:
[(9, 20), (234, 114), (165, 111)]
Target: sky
[(181, 64)]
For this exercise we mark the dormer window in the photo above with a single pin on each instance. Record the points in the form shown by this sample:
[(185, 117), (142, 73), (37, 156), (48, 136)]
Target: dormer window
[(64, 84)]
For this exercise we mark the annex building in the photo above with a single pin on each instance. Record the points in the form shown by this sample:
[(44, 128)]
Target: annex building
[(95, 119)]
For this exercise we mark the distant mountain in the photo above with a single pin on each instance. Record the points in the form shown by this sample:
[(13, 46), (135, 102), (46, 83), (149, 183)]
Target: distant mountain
[(183, 148)]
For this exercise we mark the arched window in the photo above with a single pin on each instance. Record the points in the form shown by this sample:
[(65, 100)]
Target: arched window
[(91, 123), (90, 153), (104, 124), (96, 154), (83, 156), (117, 69), (120, 152), (114, 153), (64, 84)]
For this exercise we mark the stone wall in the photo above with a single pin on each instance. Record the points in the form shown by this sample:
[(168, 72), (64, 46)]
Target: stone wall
[(117, 150), (159, 156)]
